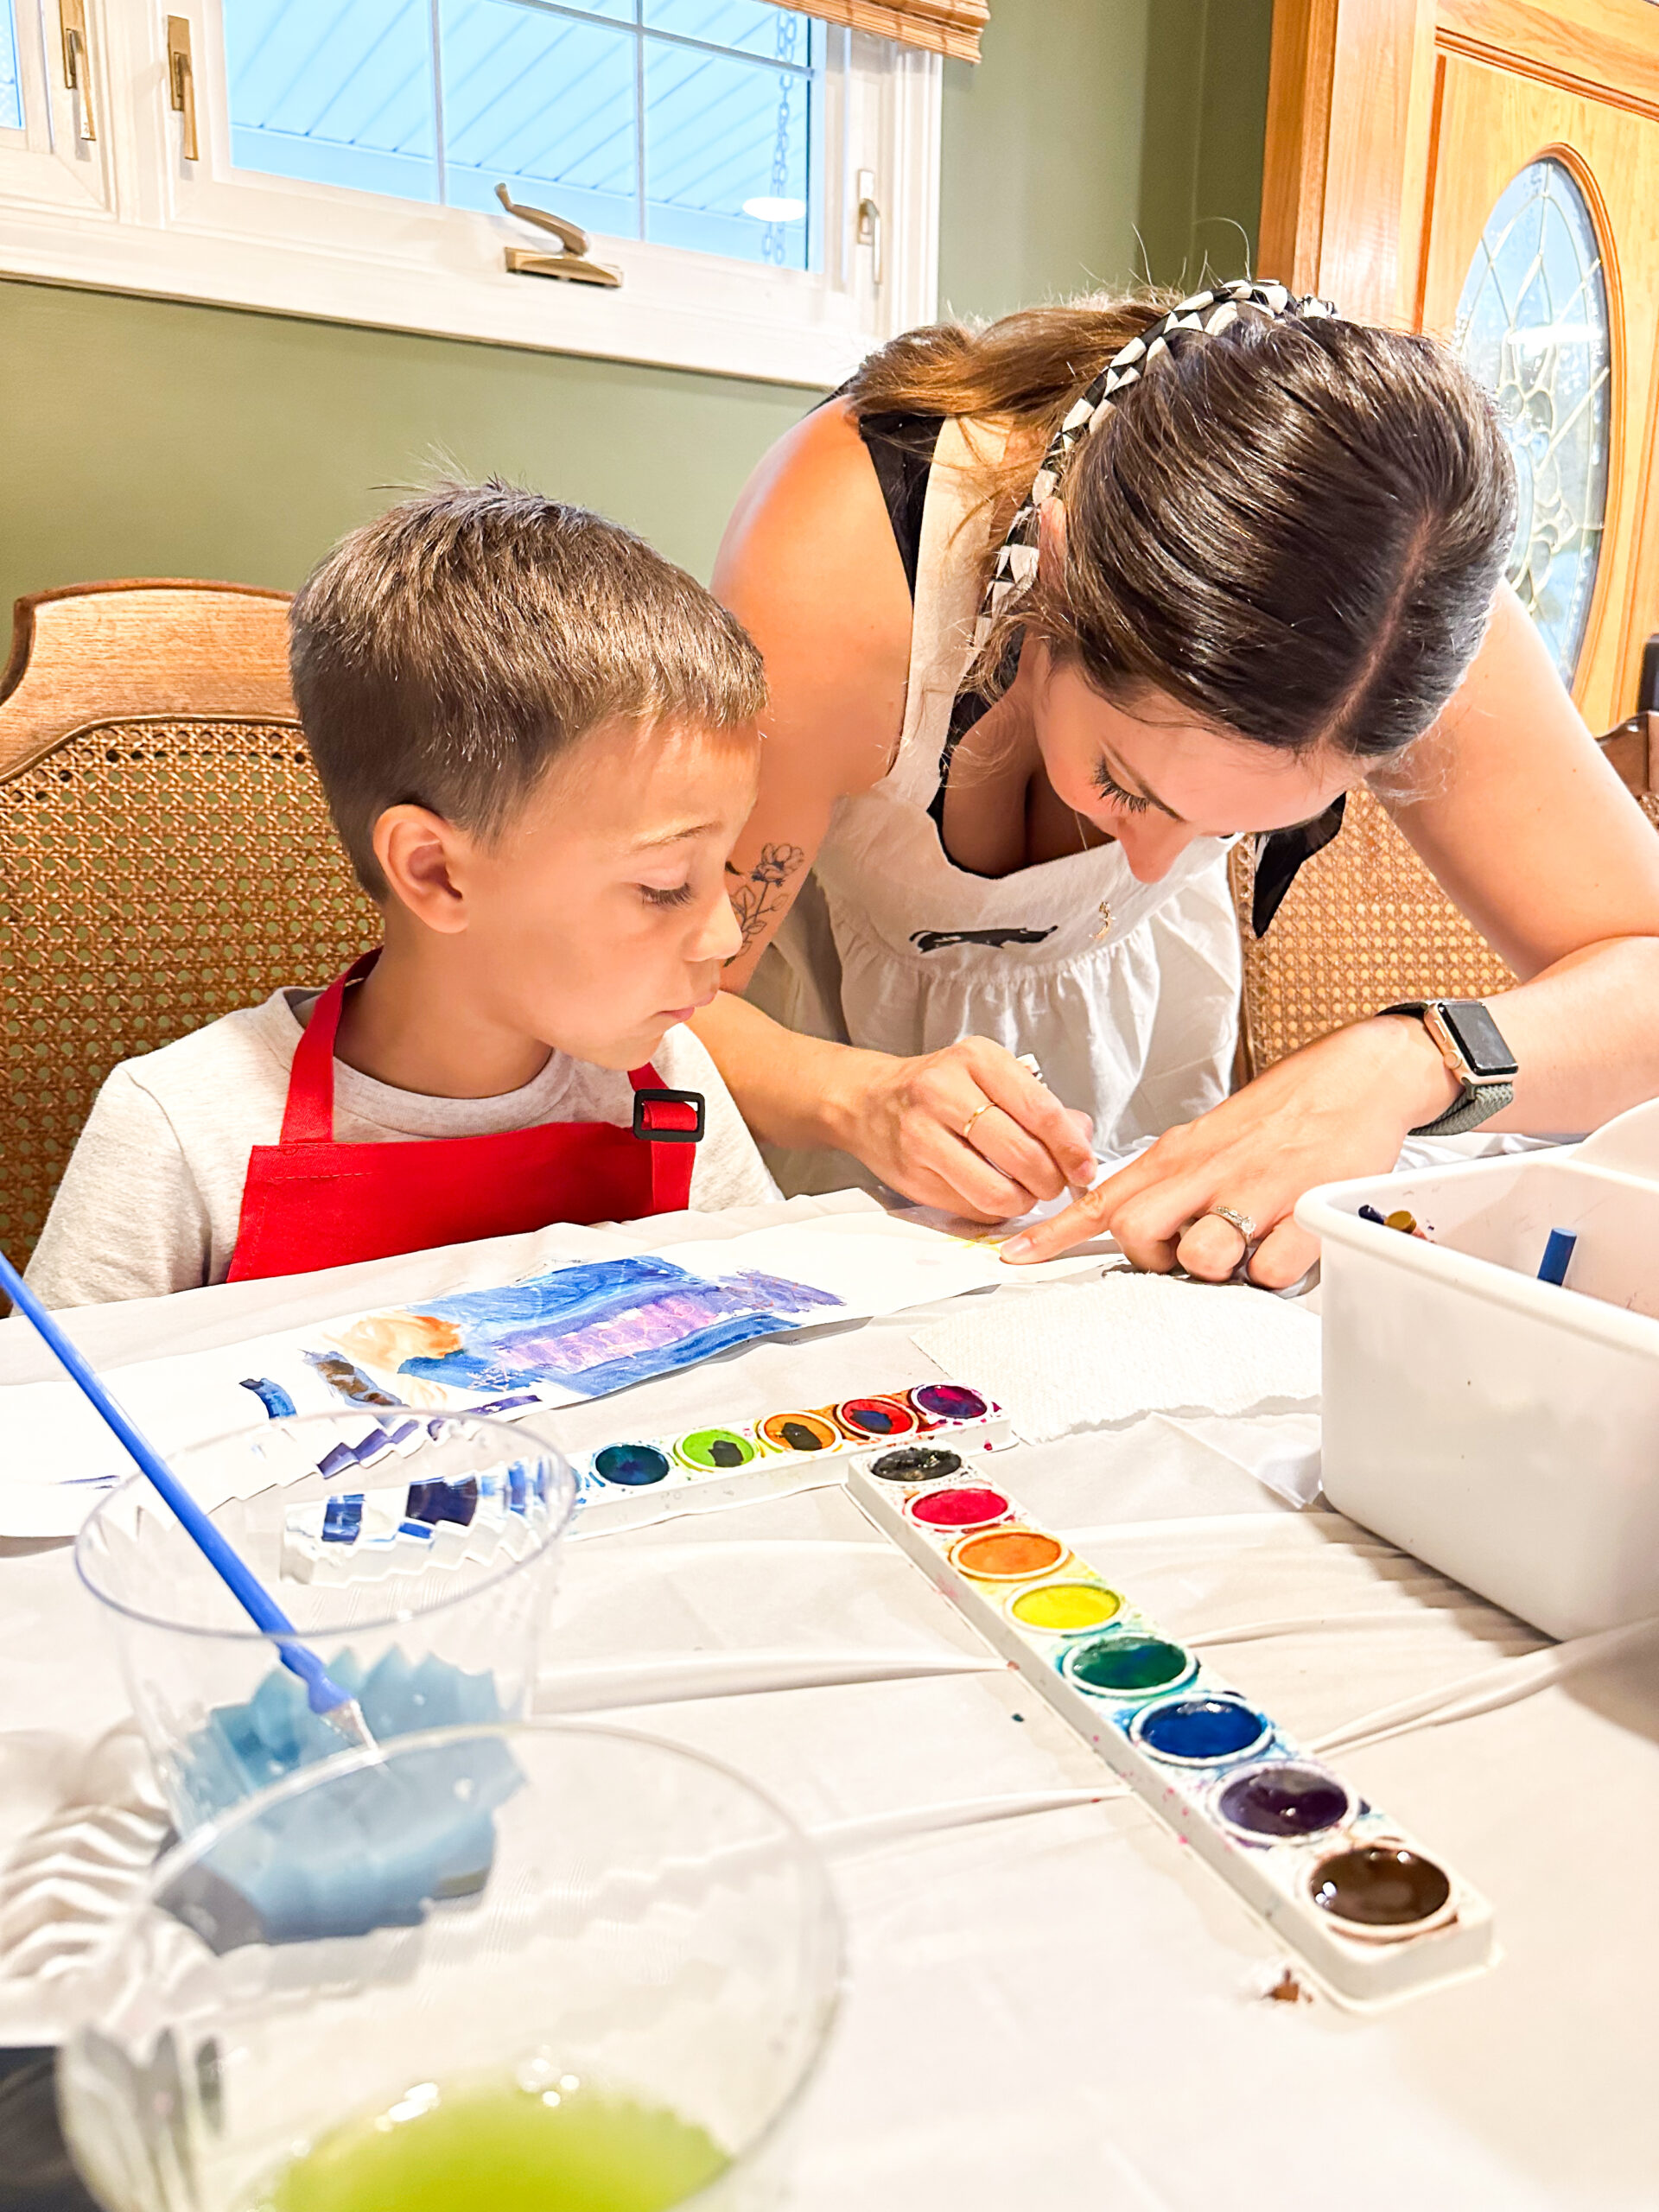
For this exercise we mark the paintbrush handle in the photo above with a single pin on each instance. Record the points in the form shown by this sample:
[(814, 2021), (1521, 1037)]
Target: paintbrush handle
[(261, 1609), (238, 1579)]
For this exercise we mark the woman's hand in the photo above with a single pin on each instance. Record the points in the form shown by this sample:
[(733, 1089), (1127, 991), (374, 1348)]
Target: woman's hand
[(967, 1129), (1339, 1107)]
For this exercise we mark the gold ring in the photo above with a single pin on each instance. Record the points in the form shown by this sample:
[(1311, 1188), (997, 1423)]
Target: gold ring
[(1241, 1222), (967, 1126)]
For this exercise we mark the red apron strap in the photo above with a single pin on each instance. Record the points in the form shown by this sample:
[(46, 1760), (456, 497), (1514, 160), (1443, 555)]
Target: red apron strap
[(308, 1115), (671, 1125)]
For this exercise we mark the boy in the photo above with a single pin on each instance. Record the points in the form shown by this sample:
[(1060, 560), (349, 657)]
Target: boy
[(537, 743)]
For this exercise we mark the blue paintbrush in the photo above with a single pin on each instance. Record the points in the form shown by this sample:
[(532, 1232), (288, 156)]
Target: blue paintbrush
[(324, 1695)]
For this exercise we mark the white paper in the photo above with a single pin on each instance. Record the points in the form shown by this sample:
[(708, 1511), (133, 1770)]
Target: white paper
[(1088, 1355)]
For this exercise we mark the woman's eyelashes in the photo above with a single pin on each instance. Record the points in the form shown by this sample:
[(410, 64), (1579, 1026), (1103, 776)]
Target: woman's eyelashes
[(678, 894), (1108, 787)]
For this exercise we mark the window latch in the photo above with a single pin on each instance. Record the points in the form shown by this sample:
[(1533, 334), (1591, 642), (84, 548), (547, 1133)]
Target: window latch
[(571, 262), (868, 232), (78, 65), (181, 81)]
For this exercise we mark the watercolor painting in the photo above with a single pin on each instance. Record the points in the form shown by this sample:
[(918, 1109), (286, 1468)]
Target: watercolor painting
[(591, 1328)]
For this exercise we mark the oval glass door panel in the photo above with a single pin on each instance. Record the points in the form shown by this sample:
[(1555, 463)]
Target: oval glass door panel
[(1532, 325)]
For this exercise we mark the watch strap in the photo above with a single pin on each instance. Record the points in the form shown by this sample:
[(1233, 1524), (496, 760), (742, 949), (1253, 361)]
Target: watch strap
[(1478, 1103)]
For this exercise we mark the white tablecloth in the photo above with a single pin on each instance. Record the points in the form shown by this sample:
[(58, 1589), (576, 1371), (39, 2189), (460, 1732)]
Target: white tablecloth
[(1059, 2007)]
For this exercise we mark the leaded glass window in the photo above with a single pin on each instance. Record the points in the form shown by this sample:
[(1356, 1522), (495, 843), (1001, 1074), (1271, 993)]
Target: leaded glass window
[(1532, 325)]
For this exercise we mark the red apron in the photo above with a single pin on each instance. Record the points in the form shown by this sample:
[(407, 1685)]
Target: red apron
[(309, 1203)]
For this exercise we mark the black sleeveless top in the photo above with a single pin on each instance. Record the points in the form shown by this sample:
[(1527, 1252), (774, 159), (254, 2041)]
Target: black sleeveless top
[(901, 447)]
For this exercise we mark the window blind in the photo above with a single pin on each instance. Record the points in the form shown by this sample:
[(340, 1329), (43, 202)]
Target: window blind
[(948, 27)]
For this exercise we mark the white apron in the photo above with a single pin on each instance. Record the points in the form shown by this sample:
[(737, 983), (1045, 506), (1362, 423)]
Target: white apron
[(1136, 1027)]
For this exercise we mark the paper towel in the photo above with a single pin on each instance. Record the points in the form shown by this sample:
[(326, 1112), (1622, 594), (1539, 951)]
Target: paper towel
[(1089, 1354)]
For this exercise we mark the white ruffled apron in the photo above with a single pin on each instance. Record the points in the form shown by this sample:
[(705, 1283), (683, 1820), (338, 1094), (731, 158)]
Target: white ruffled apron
[(892, 946)]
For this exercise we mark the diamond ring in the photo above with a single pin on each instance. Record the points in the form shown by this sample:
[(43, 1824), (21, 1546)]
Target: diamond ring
[(1241, 1222)]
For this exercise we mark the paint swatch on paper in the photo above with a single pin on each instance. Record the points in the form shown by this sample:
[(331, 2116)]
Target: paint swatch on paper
[(347, 1383), (271, 1395)]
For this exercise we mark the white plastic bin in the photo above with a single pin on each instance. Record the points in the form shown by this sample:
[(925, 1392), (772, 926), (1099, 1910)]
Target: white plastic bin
[(1504, 1430)]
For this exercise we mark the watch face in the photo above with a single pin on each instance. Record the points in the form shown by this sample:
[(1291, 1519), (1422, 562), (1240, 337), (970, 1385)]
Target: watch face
[(1478, 1038)]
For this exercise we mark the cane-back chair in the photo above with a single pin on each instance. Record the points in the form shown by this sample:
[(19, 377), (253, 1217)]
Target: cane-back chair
[(165, 853), (1365, 924)]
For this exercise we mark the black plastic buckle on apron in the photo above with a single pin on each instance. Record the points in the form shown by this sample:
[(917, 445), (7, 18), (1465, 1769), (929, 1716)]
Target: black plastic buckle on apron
[(668, 1116)]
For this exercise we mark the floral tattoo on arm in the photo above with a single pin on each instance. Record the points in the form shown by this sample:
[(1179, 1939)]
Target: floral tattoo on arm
[(758, 894)]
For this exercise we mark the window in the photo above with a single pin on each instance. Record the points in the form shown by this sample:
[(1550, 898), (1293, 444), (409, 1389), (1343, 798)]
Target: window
[(12, 91), (1533, 325), (765, 184), (689, 122)]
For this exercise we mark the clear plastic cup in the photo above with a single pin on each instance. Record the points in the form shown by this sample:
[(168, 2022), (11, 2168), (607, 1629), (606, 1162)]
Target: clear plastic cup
[(415, 1555), (564, 1914)]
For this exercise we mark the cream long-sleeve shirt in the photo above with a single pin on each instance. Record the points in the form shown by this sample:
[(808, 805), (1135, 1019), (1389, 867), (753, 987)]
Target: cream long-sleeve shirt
[(151, 1199)]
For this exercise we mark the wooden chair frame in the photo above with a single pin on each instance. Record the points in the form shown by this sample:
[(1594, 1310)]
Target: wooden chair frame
[(138, 647)]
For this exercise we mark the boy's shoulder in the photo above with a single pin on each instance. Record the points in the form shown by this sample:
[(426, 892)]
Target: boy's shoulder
[(728, 1171), (151, 1200), (681, 1060), (254, 1044)]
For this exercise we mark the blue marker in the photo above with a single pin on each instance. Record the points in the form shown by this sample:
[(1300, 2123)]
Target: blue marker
[(1558, 1253)]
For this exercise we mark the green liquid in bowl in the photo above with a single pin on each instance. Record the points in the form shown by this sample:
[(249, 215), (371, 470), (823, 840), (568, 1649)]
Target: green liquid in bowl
[(493, 2146)]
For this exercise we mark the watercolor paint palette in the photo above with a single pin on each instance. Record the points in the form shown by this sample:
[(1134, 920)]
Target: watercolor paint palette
[(1373, 1916), (631, 1481)]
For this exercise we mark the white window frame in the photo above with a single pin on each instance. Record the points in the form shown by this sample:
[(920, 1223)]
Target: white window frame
[(127, 213)]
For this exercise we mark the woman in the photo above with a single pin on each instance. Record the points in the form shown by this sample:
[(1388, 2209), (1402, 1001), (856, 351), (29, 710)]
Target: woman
[(1260, 565)]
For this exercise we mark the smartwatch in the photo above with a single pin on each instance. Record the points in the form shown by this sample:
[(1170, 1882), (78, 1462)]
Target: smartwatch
[(1472, 1046)]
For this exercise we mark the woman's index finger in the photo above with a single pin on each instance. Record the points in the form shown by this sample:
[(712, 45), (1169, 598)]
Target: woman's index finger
[(1046, 1240), (1088, 1214)]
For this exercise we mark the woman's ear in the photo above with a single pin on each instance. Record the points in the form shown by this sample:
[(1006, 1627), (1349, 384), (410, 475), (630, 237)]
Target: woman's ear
[(1051, 540), (422, 858)]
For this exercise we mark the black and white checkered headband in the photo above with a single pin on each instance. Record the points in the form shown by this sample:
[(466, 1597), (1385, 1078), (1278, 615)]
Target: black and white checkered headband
[(1210, 312)]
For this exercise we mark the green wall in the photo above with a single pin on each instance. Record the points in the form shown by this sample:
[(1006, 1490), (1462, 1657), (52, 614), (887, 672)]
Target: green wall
[(1204, 125), (148, 437), (1042, 154)]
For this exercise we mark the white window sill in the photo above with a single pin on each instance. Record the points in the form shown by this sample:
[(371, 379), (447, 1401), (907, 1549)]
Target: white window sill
[(687, 311)]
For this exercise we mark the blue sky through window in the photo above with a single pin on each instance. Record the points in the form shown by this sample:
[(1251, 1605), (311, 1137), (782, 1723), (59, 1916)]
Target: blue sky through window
[(687, 122), (11, 92)]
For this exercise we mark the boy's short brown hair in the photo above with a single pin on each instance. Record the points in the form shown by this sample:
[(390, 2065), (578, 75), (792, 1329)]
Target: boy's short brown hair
[(445, 654)]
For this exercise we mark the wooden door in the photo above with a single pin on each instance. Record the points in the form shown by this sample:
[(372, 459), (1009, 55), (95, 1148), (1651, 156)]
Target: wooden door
[(1489, 170)]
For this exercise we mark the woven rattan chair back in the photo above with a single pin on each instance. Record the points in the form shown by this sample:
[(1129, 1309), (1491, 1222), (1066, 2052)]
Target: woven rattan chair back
[(1365, 925), (165, 853)]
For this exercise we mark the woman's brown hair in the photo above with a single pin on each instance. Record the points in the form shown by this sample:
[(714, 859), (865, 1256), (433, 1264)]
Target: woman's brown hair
[(1292, 529)]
